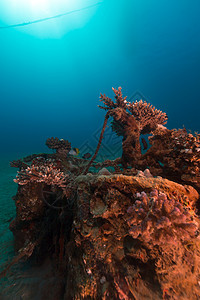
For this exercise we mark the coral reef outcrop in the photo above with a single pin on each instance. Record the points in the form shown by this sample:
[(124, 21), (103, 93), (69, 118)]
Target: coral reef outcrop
[(118, 229)]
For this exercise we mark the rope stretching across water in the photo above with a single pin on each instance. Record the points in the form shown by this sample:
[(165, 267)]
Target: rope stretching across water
[(49, 18)]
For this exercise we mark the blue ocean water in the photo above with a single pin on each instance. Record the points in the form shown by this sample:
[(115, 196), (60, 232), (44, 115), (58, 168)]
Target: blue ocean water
[(52, 73)]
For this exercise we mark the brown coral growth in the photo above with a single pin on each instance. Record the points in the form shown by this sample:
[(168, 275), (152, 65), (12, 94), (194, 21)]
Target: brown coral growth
[(61, 146), (131, 120), (175, 154), (42, 171)]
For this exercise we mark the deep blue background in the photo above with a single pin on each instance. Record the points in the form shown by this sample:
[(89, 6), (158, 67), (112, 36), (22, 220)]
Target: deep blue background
[(51, 87)]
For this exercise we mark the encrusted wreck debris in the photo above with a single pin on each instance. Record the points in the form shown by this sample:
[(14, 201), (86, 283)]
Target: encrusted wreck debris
[(123, 229)]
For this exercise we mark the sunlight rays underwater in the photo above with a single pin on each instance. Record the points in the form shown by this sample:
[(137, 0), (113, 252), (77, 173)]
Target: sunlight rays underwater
[(46, 18)]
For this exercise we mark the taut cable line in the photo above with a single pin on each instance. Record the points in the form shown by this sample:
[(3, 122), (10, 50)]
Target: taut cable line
[(49, 18)]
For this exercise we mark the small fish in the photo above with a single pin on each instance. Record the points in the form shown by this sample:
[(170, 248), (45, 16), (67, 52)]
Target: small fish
[(87, 155), (144, 143), (74, 151)]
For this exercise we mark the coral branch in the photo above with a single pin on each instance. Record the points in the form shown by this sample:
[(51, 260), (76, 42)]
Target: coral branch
[(131, 120)]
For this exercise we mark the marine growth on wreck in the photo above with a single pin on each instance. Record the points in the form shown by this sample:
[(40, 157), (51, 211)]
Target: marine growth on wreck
[(126, 228)]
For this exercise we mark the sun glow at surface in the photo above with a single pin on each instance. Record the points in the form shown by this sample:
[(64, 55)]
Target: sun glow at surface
[(20, 11)]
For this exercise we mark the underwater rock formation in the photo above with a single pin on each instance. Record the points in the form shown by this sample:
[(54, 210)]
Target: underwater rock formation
[(117, 229), (118, 261), (132, 237)]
